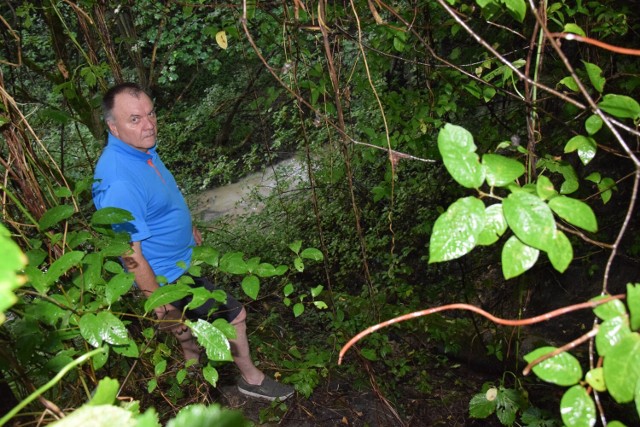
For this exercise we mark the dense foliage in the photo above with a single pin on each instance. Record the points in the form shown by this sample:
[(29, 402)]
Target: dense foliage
[(479, 152)]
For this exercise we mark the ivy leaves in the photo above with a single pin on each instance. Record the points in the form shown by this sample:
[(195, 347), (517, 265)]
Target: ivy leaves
[(530, 212)]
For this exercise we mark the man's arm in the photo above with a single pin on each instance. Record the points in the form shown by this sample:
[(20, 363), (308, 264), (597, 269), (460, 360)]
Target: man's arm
[(145, 278)]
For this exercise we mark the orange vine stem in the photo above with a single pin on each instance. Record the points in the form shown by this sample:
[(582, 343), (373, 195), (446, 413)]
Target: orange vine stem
[(469, 307), (603, 45)]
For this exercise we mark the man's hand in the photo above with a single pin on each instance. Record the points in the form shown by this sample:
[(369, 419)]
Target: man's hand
[(172, 321)]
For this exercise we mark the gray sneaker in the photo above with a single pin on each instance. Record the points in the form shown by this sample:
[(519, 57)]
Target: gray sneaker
[(268, 390)]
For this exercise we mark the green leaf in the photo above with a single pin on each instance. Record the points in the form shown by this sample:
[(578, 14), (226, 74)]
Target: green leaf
[(321, 305), (118, 286), (211, 375), (509, 402), (633, 301), (622, 368), (268, 270), (595, 378), (570, 83), (495, 225), (316, 291), (501, 170), (212, 339), (251, 286), (620, 106), (295, 246), (605, 186), (99, 415), (298, 309), (458, 154), (207, 415), (62, 265), (610, 333), (288, 289), (456, 231), (609, 310), (481, 407), (103, 327), (574, 28), (544, 188), (586, 147), (517, 8), (517, 257), (562, 369), (55, 215), (560, 252), (233, 263), (575, 212), (226, 328), (108, 216), (577, 408), (128, 350), (166, 295), (593, 124), (312, 253), (105, 393), (298, 264), (160, 367), (595, 76), (530, 219)]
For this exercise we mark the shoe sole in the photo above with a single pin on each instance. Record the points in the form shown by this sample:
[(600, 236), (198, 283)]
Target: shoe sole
[(262, 396)]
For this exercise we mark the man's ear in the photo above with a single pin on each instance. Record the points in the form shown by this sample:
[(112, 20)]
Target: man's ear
[(112, 128)]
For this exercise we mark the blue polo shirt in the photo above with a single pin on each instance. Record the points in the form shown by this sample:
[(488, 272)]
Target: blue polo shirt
[(139, 182)]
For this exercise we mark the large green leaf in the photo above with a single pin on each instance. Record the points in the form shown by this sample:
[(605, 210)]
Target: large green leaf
[(620, 106), (577, 409), (458, 153), (166, 295), (575, 212), (98, 416), (118, 286), (233, 263), (622, 368), (610, 333), (107, 216), (54, 215), (103, 327), (562, 369), (456, 231), (530, 219), (560, 251), (501, 170), (207, 415), (62, 265), (494, 226), (212, 339), (517, 257)]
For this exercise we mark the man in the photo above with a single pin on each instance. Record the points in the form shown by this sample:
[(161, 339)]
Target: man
[(130, 175)]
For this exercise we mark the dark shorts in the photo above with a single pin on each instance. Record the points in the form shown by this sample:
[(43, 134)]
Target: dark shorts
[(211, 309)]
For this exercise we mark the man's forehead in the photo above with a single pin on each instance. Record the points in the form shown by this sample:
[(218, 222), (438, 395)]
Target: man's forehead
[(133, 101)]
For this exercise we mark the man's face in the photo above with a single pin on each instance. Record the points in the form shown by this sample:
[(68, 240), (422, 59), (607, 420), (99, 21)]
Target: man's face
[(134, 120)]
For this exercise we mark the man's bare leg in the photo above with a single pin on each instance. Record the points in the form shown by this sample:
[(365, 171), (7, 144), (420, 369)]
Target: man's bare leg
[(241, 353)]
